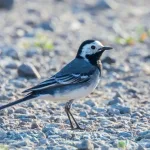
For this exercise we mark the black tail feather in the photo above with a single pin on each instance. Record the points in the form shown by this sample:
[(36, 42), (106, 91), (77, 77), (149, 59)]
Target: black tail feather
[(17, 101)]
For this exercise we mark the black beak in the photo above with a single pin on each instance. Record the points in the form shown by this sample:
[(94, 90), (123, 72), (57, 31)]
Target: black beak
[(105, 48)]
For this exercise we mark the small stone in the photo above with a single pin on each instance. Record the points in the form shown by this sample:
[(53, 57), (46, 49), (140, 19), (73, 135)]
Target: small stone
[(114, 119), (3, 134), (136, 114), (116, 84), (147, 145), (83, 114), (12, 53), (24, 116), (144, 133), (12, 66), (90, 103), (21, 111), (10, 111), (2, 120), (32, 52), (108, 60), (6, 4), (125, 134), (146, 69), (122, 109), (35, 140), (19, 144), (86, 145), (147, 58), (40, 148), (13, 135), (105, 4), (47, 26), (147, 136), (43, 141), (75, 25), (4, 97), (34, 125), (133, 90), (99, 110), (140, 147), (116, 101), (104, 148), (50, 127), (28, 70), (18, 84), (113, 111)]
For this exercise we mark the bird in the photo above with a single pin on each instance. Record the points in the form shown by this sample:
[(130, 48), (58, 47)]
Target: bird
[(76, 80)]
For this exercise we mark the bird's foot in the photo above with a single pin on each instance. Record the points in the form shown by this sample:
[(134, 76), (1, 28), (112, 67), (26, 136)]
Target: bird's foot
[(78, 128)]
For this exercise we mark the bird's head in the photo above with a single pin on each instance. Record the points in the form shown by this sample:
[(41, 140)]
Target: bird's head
[(91, 50)]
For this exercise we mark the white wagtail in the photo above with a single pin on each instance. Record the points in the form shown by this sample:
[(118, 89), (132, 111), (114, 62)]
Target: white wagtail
[(77, 79)]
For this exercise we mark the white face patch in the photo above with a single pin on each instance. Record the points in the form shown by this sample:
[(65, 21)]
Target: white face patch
[(90, 49)]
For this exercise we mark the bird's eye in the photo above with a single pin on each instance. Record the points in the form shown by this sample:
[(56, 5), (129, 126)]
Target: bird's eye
[(93, 47)]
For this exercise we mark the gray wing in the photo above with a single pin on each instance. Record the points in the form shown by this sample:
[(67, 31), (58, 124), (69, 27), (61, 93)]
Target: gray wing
[(77, 71)]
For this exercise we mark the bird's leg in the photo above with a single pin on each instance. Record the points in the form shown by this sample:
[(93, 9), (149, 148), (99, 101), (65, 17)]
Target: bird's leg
[(67, 108), (69, 114)]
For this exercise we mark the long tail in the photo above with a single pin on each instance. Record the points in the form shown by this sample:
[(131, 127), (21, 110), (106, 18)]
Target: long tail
[(18, 101)]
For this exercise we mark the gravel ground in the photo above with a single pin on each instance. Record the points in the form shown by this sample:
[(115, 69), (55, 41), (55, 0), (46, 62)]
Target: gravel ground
[(38, 37)]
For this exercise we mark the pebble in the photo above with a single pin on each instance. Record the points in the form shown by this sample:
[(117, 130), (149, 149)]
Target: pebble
[(113, 111), (48, 127), (105, 148), (100, 110), (6, 4), (12, 53), (24, 116), (40, 148), (14, 135), (34, 125), (108, 60), (122, 109), (125, 134), (19, 144), (90, 103), (4, 97), (83, 114), (1, 120), (18, 84), (86, 145), (3, 134), (21, 111), (43, 141), (32, 52), (34, 140), (12, 65), (116, 101), (140, 147), (47, 26), (136, 114), (103, 4), (28, 70), (10, 111), (116, 84)]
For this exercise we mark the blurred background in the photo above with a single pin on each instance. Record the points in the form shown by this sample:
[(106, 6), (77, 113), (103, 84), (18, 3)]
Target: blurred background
[(46, 34), (38, 37)]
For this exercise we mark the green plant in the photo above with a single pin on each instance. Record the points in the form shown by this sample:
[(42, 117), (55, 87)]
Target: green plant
[(122, 144), (40, 40)]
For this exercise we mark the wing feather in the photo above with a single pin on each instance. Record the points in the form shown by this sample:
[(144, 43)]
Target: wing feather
[(59, 80)]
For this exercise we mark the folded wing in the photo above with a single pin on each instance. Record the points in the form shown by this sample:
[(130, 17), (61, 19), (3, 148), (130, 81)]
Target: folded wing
[(60, 80)]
